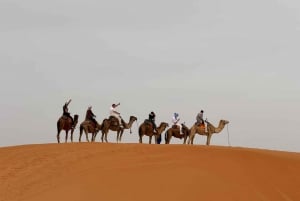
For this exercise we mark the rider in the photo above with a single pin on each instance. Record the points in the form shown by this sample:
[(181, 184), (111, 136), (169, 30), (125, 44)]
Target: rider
[(175, 120), (199, 118), (152, 120), (66, 111), (115, 113), (90, 115)]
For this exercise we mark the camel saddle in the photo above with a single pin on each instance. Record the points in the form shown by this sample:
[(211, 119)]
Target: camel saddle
[(147, 121), (65, 117), (175, 127), (114, 121), (202, 126)]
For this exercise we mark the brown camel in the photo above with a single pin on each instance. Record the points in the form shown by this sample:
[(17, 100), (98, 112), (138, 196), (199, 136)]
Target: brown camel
[(112, 124), (175, 132), (146, 128), (210, 130), (89, 127), (186, 132), (65, 123)]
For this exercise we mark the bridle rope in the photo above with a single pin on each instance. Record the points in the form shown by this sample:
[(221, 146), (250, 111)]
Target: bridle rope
[(228, 136)]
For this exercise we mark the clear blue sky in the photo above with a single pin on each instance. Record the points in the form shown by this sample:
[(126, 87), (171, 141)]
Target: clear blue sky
[(236, 60)]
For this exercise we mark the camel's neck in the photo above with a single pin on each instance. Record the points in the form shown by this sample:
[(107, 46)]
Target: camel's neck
[(218, 129), (129, 124), (161, 128)]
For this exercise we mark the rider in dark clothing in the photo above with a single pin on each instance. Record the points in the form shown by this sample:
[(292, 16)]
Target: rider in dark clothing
[(66, 111), (152, 120), (90, 115)]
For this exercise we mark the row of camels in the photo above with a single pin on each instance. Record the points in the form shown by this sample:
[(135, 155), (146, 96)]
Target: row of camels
[(146, 128)]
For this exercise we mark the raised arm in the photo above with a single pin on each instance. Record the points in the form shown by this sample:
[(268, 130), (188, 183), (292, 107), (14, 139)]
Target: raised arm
[(67, 103)]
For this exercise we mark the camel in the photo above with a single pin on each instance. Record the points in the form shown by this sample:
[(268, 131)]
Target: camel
[(89, 127), (210, 131), (146, 128), (175, 132), (65, 123), (186, 132), (112, 124)]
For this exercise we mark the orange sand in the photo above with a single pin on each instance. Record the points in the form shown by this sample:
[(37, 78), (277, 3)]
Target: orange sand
[(99, 171)]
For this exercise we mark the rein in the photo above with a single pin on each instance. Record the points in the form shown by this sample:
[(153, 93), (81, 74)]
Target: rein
[(228, 137)]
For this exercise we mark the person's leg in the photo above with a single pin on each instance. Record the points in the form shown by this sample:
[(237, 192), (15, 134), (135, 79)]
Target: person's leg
[(120, 121), (95, 121), (179, 127), (71, 119), (155, 127)]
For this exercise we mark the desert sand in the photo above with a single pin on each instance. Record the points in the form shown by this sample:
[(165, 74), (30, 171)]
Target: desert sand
[(109, 171)]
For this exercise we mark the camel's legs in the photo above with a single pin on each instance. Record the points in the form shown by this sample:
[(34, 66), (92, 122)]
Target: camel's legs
[(80, 134), (168, 138), (66, 139), (72, 131), (191, 138), (118, 132), (87, 137), (106, 136), (121, 134), (150, 139), (208, 139), (192, 142), (102, 136), (58, 137), (93, 137), (184, 140)]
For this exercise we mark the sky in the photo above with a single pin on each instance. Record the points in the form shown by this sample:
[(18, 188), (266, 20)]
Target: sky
[(236, 60)]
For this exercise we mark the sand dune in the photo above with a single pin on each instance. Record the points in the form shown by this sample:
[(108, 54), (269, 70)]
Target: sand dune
[(99, 171)]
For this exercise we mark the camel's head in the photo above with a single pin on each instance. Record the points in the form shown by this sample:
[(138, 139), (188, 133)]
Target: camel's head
[(224, 121), (76, 117), (133, 118), (183, 126), (164, 124)]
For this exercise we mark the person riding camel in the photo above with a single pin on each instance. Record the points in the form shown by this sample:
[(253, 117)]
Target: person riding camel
[(199, 119), (152, 120), (115, 113), (175, 121), (90, 116), (66, 111)]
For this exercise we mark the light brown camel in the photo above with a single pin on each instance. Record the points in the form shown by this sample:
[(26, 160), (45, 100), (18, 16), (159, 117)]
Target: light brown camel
[(175, 132), (65, 123), (210, 131), (112, 124), (89, 127), (146, 128)]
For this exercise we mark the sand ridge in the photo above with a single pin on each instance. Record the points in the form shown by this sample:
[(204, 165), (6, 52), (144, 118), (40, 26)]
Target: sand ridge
[(109, 171)]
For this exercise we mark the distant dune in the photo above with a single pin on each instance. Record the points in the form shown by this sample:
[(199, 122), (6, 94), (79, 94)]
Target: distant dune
[(112, 172)]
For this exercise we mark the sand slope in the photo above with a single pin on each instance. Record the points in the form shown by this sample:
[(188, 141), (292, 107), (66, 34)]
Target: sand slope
[(98, 171)]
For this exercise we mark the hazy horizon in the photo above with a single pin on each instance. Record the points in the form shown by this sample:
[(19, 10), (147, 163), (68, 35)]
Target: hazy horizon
[(236, 60)]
